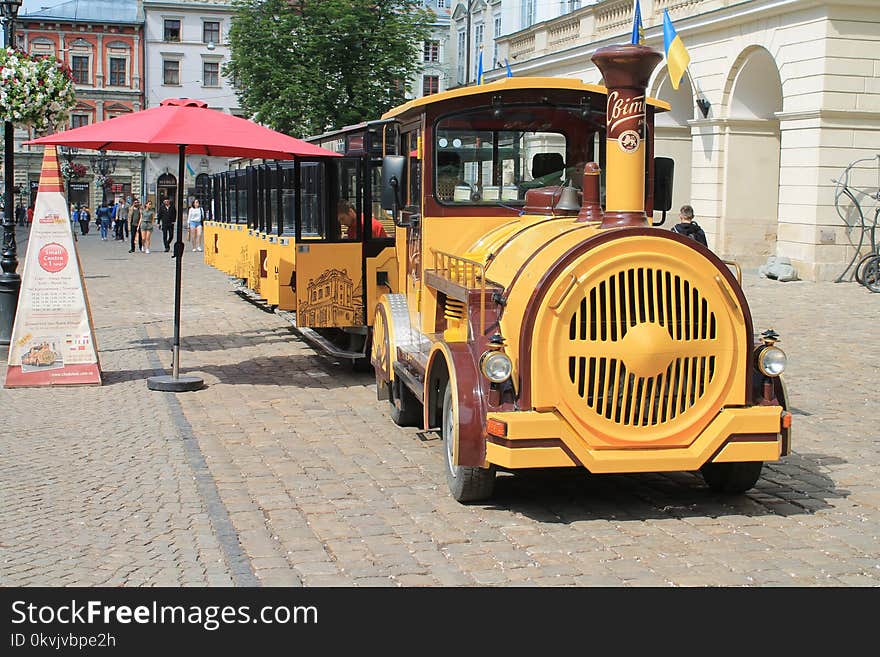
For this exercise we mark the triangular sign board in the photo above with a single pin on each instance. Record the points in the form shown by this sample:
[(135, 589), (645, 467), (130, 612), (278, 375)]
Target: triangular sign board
[(53, 337)]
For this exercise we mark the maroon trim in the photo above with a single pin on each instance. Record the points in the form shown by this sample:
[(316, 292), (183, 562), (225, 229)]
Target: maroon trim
[(533, 306), (535, 442), (471, 404)]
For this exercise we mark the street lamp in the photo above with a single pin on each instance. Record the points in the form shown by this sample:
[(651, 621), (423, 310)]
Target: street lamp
[(10, 281), (103, 166)]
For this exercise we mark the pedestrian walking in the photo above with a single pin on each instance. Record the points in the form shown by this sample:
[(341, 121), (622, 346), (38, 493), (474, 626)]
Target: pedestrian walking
[(30, 215), (167, 216), (120, 215), (20, 214), (688, 227), (145, 224), (104, 217), (134, 218), (85, 218), (194, 218)]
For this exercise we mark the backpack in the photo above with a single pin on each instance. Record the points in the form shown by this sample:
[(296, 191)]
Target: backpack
[(691, 230)]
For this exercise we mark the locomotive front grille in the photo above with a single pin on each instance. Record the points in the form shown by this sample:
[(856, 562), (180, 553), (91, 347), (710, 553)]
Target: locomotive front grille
[(641, 347)]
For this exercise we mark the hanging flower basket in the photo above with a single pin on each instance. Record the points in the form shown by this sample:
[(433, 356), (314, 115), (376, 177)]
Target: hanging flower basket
[(72, 171), (35, 90)]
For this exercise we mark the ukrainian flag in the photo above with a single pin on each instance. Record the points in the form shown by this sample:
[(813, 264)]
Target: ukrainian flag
[(190, 169), (677, 57), (480, 67), (638, 32)]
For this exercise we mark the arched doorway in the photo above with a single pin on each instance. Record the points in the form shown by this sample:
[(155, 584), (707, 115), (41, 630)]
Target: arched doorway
[(166, 187), (672, 136), (749, 211)]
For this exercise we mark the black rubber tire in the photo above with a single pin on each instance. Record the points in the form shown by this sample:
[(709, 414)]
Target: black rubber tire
[(732, 478), (871, 274), (406, 411), (860, 267), (466, 483)]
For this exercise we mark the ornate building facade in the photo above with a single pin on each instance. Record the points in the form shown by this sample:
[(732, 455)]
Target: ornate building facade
[(102, 42), (186, 47), (780, 96)]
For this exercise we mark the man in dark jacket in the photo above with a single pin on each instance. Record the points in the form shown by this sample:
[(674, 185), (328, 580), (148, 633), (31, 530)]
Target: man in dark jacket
[(167, 215), (688, 227)]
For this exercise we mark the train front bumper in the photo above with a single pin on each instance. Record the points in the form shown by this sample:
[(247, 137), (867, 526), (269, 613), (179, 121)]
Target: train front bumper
[(536, 439)]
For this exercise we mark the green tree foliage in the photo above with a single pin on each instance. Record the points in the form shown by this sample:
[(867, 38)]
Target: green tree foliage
[(305, 66)]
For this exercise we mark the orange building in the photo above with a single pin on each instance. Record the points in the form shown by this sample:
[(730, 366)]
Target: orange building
[(102, 42)]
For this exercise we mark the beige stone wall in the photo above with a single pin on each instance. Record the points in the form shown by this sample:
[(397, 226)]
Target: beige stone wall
[(794, 87)]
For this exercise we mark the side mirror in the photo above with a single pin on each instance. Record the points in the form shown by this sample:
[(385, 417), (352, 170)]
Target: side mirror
[(393, 185), (663, 174)]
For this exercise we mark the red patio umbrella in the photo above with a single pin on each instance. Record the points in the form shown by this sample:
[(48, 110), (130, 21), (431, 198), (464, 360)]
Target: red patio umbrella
[(184, 126)]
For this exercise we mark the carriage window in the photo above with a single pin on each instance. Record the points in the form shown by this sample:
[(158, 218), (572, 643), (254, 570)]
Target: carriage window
[(483, 158), (311, 207)]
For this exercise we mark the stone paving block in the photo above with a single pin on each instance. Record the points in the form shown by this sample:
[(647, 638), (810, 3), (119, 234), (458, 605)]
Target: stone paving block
[(284, 443)]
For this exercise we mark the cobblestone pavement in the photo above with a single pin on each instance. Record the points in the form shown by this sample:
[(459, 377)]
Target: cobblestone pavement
[(285, 470)]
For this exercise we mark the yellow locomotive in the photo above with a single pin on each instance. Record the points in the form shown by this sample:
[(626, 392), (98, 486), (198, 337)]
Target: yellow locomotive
[(510, 290), (540, 332)]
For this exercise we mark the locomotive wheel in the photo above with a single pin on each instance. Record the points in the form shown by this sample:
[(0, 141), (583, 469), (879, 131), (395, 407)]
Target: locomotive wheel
[(406, 411), (731, 478), (466, 483)]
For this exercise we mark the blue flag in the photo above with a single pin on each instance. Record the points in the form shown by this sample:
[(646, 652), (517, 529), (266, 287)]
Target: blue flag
[(638, 32), (480, 67), (507, 65), (190, 169)]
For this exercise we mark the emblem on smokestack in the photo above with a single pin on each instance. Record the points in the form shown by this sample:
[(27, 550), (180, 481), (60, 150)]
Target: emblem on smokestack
[(626, 70)]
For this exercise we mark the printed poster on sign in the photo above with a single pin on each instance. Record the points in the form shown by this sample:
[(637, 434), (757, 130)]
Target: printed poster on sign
[(53, 336)]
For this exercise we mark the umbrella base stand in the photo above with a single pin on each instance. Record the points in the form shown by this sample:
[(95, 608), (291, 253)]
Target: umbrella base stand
[(171, 383)]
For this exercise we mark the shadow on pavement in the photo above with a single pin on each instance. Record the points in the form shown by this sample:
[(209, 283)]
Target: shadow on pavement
[(795, 486), (222, 341), (295, 370)]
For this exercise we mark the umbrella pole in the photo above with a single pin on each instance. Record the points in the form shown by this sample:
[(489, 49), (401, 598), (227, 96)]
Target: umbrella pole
[(175, 382)]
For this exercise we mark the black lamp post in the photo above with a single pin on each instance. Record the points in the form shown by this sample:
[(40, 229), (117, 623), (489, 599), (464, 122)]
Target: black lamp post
[(10, 281), (68, 152), (103, 166)]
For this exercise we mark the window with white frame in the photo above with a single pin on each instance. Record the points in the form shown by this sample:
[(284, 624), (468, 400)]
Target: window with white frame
[(478, 46), (79, 65), (496, 34), (171, 29), (211, 74), (528, 13), (430, 84), (118, 66), (170, 71), (431, 51), (211, 32), (462, 55)]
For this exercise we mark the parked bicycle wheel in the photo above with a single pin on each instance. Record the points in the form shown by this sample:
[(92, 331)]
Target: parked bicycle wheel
[(871, 274), (860, 268)]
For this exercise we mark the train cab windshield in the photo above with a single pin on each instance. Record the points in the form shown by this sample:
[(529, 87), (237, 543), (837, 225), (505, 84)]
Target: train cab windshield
[(493, 156)]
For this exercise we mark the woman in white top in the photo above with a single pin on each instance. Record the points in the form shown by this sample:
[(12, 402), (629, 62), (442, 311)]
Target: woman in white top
[(196, 214)]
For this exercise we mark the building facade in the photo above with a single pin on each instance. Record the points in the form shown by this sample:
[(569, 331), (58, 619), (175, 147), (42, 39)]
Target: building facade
[(102, 42), (779, 98), (436, 75), (186, 47)]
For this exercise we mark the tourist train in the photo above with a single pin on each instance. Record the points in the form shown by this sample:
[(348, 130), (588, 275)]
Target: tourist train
[(502, 272)]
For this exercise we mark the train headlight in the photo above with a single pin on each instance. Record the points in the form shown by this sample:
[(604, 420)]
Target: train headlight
[(496, 366), (771, 361)]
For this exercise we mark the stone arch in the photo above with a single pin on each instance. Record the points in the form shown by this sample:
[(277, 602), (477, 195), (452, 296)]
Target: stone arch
[(749, 210), (754, 86)]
